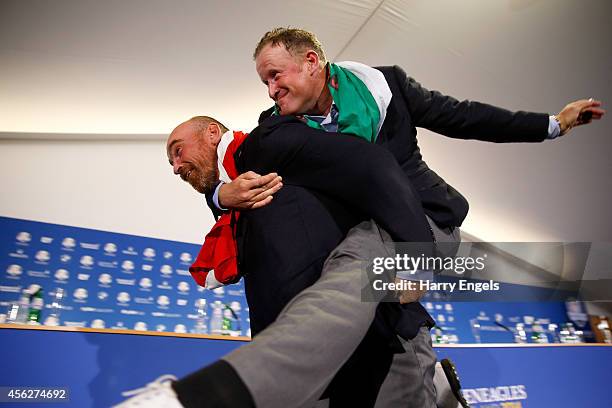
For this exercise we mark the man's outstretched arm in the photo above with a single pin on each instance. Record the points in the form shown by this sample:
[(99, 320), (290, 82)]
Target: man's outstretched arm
[(476, 120)]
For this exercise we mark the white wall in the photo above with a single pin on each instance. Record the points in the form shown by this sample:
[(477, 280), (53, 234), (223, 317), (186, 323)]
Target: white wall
[(125, 187)]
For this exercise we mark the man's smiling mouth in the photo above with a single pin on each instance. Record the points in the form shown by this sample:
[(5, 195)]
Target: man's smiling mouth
[(185, 175)]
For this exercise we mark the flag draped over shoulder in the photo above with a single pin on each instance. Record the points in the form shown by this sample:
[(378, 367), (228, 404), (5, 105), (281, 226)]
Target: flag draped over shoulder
[(216, 263), (361, 95)]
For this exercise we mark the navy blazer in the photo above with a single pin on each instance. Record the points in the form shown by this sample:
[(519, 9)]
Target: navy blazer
[(331, 183)]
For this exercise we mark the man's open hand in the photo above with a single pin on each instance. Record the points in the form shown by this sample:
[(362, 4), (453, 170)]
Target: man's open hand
[(249, 191), (579, 113)]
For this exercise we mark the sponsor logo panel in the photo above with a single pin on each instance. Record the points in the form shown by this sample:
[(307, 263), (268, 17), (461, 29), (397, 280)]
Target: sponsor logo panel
[(109, 280)]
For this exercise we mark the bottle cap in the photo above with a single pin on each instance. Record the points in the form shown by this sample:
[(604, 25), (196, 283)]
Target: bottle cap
[(33, 289)]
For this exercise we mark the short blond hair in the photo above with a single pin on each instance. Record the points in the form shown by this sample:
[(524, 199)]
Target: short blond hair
[(295, 40)]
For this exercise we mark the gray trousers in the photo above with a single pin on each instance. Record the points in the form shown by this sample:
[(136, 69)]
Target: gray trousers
[(410, 382), (291, 362)]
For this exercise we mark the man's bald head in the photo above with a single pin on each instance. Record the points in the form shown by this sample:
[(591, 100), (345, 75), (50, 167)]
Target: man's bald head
[(192, 151)]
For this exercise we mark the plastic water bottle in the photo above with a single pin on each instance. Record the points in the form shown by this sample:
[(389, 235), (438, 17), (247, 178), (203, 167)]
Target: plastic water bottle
[(552, 331), (569, 334), (475, 325), (236, 329), (228, 319), (538, 335), (201, 315), (438, 336), (36, 307), (216, 321), (520, 334), (18, 310), (604, 328), (55, 308)]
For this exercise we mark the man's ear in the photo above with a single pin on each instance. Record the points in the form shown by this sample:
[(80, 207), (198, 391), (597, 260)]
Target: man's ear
[(312, 58), (214, 132)]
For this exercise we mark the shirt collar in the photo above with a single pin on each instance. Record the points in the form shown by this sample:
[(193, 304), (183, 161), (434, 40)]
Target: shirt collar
[(330, 118)]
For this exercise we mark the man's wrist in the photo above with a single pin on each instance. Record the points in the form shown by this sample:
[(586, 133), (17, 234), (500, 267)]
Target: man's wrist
[(563, 126), (554, 127), (215, 197)]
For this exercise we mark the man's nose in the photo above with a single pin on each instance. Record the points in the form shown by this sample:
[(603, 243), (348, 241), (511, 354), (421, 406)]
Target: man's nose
[(176, 167), (272, 90)]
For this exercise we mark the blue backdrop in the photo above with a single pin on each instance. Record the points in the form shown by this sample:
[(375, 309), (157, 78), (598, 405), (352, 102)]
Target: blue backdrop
[(124, 281), (111, 280)]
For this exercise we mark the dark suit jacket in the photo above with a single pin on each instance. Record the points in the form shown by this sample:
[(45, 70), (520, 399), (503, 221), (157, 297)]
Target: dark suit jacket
[(411, 106), (331, 183)]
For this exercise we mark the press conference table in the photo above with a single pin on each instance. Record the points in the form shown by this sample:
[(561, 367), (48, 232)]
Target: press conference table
[(96, 365)]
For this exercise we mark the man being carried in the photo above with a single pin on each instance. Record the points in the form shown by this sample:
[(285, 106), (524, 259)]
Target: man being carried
[(385, 106)]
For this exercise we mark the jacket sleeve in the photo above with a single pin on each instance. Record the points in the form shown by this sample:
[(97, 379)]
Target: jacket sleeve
[(209, 201), (360, 174), (468, 119)]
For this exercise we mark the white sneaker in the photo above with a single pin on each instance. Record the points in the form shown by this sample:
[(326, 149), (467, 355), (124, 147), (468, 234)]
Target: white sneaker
[(156, 394)]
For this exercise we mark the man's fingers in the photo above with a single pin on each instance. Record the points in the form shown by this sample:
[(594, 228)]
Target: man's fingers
[(580, 112), (268, 178), (275, 181), (589, 105), (262, 203), (259, 181), (272, 188), (266, 192), (590, 101), (582, 104), (588, 114), (597, 111), (249, 175)]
